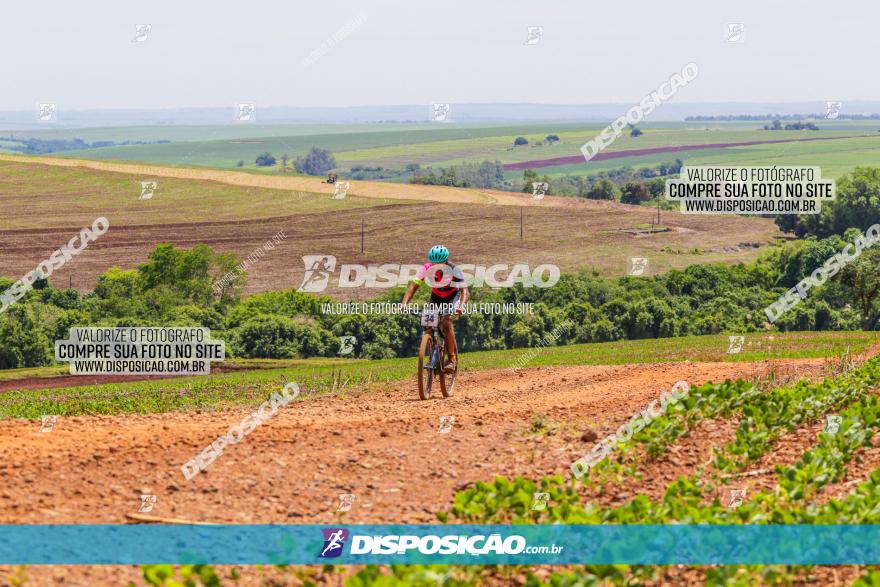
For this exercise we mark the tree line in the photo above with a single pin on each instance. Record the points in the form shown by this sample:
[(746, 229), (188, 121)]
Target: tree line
[(175, 287)]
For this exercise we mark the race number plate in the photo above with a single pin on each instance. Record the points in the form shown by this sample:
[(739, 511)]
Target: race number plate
[(429, 319)]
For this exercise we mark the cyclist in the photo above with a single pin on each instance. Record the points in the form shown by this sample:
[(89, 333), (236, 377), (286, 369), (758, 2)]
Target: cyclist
[(448, 292)]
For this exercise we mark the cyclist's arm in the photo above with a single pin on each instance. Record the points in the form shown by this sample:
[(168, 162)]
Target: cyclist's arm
[(410, 291), (415, 283)]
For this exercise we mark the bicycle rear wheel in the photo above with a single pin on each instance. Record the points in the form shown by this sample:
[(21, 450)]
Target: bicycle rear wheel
[(447, 380), (426, 370)]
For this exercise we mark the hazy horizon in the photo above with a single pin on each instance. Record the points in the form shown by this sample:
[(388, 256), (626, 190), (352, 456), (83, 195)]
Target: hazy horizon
[(346, 54)]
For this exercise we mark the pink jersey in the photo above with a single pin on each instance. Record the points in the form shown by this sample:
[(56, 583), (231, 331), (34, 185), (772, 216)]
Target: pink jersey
[(443, 291)]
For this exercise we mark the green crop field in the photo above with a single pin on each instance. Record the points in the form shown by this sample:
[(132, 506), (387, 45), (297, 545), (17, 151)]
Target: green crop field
[(327, 375), (218, 147), (479, 148), (836, 158), (393, 146)]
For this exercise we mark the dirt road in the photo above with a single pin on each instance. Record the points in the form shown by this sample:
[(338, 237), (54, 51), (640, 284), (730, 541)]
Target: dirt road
[(381, 444)]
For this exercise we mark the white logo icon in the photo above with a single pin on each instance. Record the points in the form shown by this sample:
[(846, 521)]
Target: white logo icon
[(148, 500), (46, 111), (334, 542), (540, 189), (534, 35), (318, 271), (341, 189), (540, 501), (735, 32), (446, 423), (832, 110), (832, 423), (736, 344), (147, 189), (246, 112), (736, 498), (47, 423), (346, 344), (638, 265), (141, 32), (345, 502), (440, 112)]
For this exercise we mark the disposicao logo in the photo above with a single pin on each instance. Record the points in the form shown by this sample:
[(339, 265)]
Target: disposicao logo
[(320, 268), (334, 541), (318, 271)]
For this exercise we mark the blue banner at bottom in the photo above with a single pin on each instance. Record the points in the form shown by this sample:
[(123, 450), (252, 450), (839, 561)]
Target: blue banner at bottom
[(438, 544)]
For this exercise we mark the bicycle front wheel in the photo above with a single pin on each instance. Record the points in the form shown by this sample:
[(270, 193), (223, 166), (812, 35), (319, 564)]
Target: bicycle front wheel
[(426, 368)]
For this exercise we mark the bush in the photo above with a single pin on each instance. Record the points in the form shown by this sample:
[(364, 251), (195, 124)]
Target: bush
[(520, 141), (265, 160), (23, 343), (603, 190), (317, 162), (280, 337), (634, 193)]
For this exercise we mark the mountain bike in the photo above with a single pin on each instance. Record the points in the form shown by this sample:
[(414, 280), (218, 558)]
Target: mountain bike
[(432, 357)]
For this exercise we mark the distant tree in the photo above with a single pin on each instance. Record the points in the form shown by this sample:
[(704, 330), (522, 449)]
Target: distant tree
[(281, 337), (656, 187), (240, 164), (284, 159), (183, 274), (23, 343), (670, 167), (317, 162), (552, 138), (863, 278), (603, 190), (777, 125), (529, 176), (546, 179), (520, 141), (449, 176), (635, 132), (488, 174), (265, 160), (634, 193), (413, 167)]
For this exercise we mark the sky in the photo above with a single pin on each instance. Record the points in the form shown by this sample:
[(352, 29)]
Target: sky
[(82, 55)]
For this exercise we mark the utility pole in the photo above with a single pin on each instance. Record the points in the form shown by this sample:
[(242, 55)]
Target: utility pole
[(520, 223), (362, 235)]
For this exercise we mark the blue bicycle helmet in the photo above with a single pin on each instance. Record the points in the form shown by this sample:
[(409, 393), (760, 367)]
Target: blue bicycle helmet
[(438, 254)]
